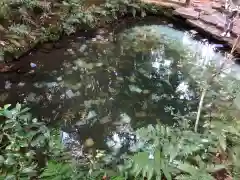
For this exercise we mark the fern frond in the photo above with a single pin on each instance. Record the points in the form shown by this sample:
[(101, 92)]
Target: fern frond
[(20, 29), (149, 166)]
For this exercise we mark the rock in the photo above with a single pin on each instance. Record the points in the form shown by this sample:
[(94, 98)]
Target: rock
[(237, 22), (213, 30), (205, 9), (217, 5), (236, 30), (236, 27), (216, 19), (188, 13), (170, 25)]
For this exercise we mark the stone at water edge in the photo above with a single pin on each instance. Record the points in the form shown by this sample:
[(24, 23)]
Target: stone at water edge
[(205, 9), (215, 19), (217, 5), (188, 13)]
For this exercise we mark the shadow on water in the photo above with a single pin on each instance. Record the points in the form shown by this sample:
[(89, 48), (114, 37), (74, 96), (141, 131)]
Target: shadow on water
[(93, 85)]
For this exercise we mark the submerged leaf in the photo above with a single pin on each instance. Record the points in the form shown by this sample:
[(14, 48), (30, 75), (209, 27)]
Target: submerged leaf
[(134, 88)]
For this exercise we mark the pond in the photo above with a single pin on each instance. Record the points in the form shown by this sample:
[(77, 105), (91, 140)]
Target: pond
[(113, 80)]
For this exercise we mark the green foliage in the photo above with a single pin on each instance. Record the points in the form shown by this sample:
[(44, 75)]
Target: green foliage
[(162, 151), (168, 152), (4, 10), (19, 29), (200, 171), (57, 170), (22, 139), (43, 20)]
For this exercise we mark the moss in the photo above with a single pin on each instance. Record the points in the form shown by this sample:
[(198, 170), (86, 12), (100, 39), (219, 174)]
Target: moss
[(27, 23)]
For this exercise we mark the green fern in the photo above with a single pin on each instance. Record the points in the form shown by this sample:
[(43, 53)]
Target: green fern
[(171, 146), (19, 29), (200, 171), (4, 10), (57, 171), (157, 167)]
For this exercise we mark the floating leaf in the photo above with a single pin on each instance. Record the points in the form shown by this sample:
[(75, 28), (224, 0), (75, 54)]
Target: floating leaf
[(18, 107), (6, 106), (134, 88)]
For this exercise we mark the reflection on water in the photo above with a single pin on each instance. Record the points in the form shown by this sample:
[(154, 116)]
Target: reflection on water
[(113, 83)]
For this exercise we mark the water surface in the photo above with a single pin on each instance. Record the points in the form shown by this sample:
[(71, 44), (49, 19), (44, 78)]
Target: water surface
[(113, 81)]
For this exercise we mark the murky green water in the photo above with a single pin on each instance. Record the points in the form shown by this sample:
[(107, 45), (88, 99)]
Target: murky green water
[(111, 81)]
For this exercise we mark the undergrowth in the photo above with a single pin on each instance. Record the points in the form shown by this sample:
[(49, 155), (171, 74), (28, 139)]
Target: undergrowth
[(30, 150), (25, 23)]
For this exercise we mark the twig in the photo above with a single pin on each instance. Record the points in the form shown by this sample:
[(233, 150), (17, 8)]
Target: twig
[(209, 82), (200, 108)]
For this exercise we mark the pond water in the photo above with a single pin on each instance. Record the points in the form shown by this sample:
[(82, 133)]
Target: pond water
[(113, 81)]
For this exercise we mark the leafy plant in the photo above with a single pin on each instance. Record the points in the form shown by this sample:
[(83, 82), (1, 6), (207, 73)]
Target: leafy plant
[(164, 151), (24, 142), (200, 171), (19, 29)]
